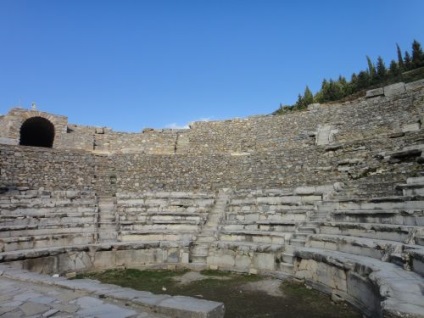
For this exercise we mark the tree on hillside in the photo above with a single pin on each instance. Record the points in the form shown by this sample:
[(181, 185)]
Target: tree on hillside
[(371, 70), (400, 58), (364, 80), (308, 97), (417, 55), (375, 74), (407, 61), (381, 70), (303, 101), (394, 70)]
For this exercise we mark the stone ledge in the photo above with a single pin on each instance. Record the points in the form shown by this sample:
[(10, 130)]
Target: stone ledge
[(400, 292), (255, 233), (52, 251), (174, 306), (249, 247)]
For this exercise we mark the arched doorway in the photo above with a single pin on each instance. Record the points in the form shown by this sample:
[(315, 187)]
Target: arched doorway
[(37, 132)]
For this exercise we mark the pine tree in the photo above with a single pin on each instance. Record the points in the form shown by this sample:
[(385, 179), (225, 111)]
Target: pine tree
[(401, 66), (407, 61), (371, 70), (381, 70), (308, 97), (394, 71), (353, 84), (364, 80), (417, 55), (299, 102)]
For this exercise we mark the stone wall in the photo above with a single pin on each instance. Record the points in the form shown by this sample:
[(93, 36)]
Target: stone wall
[(42, 168), (392, 109)]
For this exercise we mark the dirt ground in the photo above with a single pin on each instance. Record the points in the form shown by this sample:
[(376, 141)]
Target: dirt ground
[(244, 296)]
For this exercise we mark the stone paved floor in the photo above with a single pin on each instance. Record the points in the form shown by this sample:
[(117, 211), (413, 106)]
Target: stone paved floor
[(24, 299)]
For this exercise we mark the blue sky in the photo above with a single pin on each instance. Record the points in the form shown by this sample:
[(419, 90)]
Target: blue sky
[(133, 64)]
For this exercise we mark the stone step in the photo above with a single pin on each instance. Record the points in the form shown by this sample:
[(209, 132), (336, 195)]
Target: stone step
[(287, 257), (415, 180), (198, 260), (303, 236), (205, 239), (200, 250), (308, 229), (297, 242), (107, 235), (286, 268)]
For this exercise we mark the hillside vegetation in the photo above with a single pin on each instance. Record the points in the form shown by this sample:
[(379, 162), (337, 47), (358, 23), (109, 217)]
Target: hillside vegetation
[(408, 67)]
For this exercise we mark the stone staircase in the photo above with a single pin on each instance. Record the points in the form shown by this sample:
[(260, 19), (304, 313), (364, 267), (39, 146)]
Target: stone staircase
[(107, 231), (209, 233), (298, 239)]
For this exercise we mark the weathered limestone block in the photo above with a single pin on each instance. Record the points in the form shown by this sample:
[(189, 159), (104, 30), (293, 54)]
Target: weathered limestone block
[(394, 89), (295, 200), (264, 261), (224, 259), (305, 190), (155, 202), (311, 199), (375, 92), (411, 127), (415, 85), (363, 293), (318, 272), (325, 135)]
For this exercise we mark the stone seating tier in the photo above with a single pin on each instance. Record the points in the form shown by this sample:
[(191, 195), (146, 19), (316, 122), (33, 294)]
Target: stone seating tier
[(38, 218), (381, 289), (393, 232), (385, 250)]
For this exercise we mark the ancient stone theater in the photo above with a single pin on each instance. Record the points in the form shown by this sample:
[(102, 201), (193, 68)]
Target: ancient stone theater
[(332, 196)]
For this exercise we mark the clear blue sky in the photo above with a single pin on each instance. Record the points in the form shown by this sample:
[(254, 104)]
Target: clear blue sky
[(132, 64)]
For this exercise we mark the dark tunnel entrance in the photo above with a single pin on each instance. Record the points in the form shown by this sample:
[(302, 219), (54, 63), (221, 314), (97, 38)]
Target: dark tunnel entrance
[(38, 132)]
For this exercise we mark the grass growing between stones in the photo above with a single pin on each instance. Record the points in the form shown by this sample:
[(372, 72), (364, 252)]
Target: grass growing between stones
[(243, 295)]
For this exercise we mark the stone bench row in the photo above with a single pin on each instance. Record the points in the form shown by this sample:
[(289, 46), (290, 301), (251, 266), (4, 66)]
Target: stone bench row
[(399, 233), (302, 191), (155, 202), (86, 257), (248, 257), (394, 217), (384, 250), (266, 225), (166, 227), (34, 229), (56, 239), (37, 203), (281, 200), (269, 208), (44, 194), (159, 219), (139, 214), (286, 216), (158, 234), (382, 204), (378, 288), (271, 237), (46, 220), (164, 195), (392, 210)]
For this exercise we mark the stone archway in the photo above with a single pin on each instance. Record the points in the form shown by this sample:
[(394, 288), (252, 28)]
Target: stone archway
[(37, 132)]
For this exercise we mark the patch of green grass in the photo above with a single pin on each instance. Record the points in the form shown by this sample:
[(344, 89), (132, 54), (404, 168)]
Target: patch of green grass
[(210, 272), (149, 280)]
